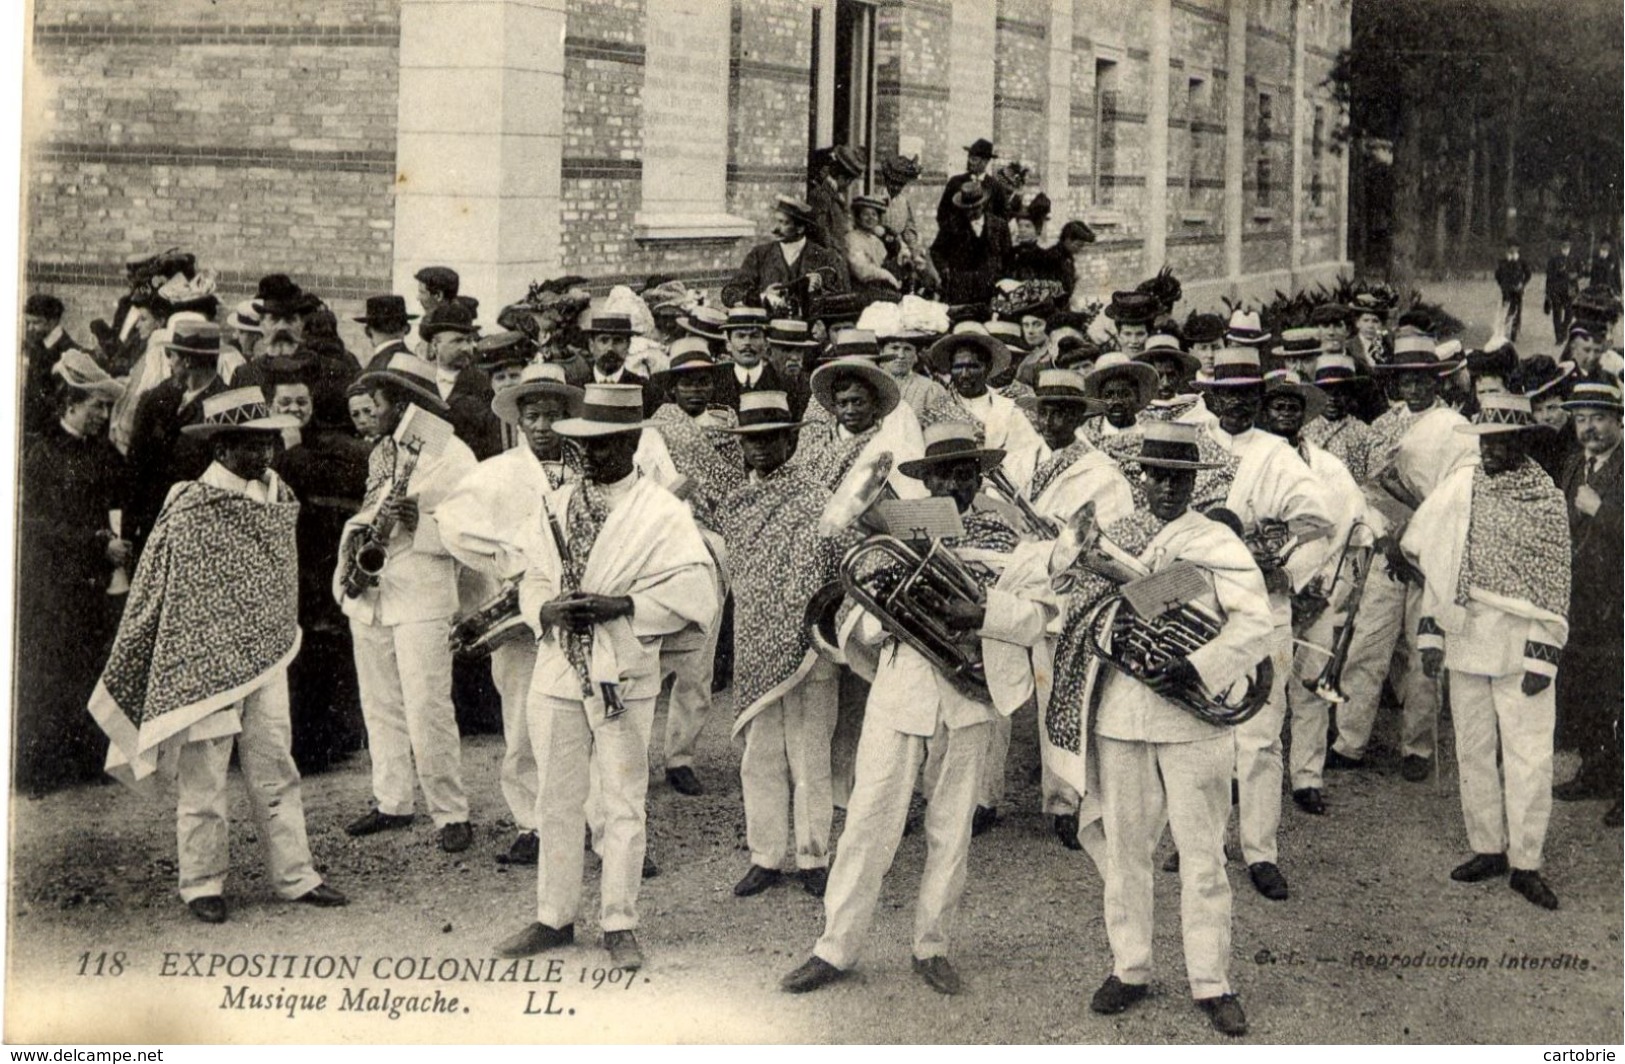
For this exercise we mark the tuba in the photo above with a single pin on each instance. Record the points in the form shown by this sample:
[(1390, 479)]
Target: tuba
[(851, 506), (1137, 645)]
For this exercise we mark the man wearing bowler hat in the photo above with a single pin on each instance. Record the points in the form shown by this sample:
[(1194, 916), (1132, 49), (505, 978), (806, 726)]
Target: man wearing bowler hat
[(399, 626), (978, 154), (615, 569), (387, 325), (971, 247), (1492, 543), (200, 663), (772, 268), (830, 198), (451, 334)]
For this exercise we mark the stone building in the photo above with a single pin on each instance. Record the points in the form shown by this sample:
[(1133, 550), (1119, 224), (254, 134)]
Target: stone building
[(349, 142)]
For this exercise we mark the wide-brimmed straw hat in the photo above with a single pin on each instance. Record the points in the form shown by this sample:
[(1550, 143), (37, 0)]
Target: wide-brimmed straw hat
[(789, 332), (545, 378), (1169, 445), (823, 380), (1058, 387), (940, 355), (606, 409), (194, 339), (1415, 352), (765, 411), (1246, 329), (704, 322), (951, 441), (1335, 370), (410, 373), (239, 410), (1594, 395), (1502, 413), (1165, 345), (1114, 365), (1288, 382)]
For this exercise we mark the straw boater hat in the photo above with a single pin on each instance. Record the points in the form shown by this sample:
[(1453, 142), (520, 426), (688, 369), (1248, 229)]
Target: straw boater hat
[(940, 355), (796, 209), (951, 441), (1165, 345), (789, 332), (1169, 445), (1502, 413), (1234, 367), (1337, 370), (76, 369), (1114, 365), (766, 411), (606, 409), (545, 378), (745, 318), (244, 318), (605, 324), (1299, 343), (690, 355), (410, 373), (823, 383), (1416, 352), (1541, 375), (239, 410), (877, 203), (1058, 387), (1594, 395), (1009, 334), (1246, 329), (1288, 382), (706, 322), (194, 339), (504, 349)]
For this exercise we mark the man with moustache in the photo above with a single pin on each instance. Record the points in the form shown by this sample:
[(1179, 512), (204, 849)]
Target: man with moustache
[(450, 332), (787, 259)]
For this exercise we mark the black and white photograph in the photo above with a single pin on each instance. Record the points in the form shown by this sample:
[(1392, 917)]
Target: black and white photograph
[(811, 522)]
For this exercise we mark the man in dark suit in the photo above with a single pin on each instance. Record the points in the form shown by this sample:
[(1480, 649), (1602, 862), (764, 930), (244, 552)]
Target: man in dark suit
[(609, 341), (160, 454), (450, 332), (387, 325), (978, 154), (1589, 683), (1511, 275), (43, 343), (831, 199), (772, 268), (971, 248), (1604, 272), (751, 369), (1563, 274)]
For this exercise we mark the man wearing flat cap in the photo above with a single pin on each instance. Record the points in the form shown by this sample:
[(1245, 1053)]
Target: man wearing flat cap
[(200, 662), (1492, 544), (790, 257), (616, 567)]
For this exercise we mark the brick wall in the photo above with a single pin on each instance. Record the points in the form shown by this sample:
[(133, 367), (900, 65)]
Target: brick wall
[(1021, 80), (259, 134)]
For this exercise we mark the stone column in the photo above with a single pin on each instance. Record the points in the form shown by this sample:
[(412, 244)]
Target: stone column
[(1058, 107), (970, 78), (1300, 30), (480, 136), (1160, 25), (1235, 138)]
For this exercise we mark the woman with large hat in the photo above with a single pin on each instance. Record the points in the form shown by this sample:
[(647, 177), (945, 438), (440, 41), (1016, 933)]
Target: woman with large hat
[(1133, 312), (1492, 544)]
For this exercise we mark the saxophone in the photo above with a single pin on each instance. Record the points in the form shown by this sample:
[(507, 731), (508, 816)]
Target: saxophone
[(368, 550)]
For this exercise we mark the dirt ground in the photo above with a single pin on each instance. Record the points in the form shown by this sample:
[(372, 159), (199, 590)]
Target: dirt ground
[(1376, 945)]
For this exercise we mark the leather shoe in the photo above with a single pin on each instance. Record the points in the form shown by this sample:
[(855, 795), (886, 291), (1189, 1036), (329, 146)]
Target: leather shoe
[(757, 880), (1527, 881), (1268, 880), (1615, 815), (815, 881), (938, 974), (1172, 863), (1116, 996), (1580, 789), (1310, 800), (323, 897), (211, 910), (1416, 768), (524, 851), (1066, 829), (683, 781), (1224, 1012), (815, 974), (455, 838), (650, 869), (983, 820), (1337, 761), (1480, 867), (537, 938), (623, 950), (375, 822)]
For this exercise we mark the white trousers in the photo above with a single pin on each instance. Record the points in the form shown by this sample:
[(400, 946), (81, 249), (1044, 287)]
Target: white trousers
[(689, 704), (569, 738), (274, 799), (786, 760), (990, 785), (1258, 759), (1388, 613), (887, 764), (1506, 808), (404, 672), (511, 667), (1311, 715), (1186, 786)]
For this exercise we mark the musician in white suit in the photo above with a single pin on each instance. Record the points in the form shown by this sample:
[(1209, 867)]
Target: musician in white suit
[(483, 524), (399, 627), (969, 360)]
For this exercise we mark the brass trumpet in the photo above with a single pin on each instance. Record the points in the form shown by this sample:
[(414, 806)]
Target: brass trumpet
[(1038, 526)]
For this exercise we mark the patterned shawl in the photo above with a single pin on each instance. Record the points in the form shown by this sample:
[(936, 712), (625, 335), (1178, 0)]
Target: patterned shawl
[(1517, 539), (1075, 666), (1347, 439), (1386, 434), (212, 615), (1212, 485), (584, 518), (777, 561), (709, 457), (1056, 464), (825, 458)]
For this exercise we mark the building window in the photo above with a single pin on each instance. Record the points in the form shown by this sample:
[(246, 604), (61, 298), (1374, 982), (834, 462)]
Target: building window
[(843, 79), (1104, 154), (1317, 154), (1195, 113), (1264, 181), (1266, 115)]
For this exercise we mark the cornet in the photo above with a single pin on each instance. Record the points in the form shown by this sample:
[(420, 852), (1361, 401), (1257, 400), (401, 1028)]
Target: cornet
[(1037, 525), (1328, 684)]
